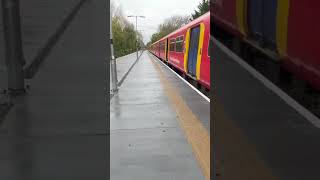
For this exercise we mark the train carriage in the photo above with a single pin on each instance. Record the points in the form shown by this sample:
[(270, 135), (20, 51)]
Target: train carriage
[(187, 49), (286, 27)]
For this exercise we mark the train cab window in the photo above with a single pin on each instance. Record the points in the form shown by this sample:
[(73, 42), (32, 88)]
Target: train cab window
[(172, 44), (179, 44)]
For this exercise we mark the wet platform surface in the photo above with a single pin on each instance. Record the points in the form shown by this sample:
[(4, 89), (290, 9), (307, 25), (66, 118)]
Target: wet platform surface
[(266, 138), (147, 141), (59, 130), (124, 64)]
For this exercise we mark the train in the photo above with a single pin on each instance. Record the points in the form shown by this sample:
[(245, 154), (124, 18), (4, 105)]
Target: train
[(286, 30), (187, 50)]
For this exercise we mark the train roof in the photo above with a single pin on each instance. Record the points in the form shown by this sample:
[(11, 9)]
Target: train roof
[(199, 19)]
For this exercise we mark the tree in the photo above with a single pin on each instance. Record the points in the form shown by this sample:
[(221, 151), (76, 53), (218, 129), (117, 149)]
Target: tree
[(125, 36), (203, 7), (169, 25), (148, 44)]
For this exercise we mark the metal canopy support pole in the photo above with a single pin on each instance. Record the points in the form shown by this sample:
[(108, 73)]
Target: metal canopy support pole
[(13, 46), (137, 36), (113, 64)]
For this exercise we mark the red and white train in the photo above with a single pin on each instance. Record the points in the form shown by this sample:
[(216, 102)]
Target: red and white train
[(187, 49), (288, 28)]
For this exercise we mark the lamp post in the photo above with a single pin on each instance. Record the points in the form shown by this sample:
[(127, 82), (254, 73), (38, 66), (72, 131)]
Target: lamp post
[(137, 30), (114, 78)]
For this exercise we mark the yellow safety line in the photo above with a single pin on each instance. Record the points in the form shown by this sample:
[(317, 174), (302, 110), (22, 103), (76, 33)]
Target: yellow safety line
[(282, 26), (195, 133), (241, 13), (202, 28)]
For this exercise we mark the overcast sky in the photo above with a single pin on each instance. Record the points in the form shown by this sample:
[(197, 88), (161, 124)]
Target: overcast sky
[(156, 11)]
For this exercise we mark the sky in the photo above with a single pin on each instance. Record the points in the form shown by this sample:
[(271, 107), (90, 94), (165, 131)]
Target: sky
[(155, 11)]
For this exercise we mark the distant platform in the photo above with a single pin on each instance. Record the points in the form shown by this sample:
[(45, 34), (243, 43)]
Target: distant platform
[(124, 64)]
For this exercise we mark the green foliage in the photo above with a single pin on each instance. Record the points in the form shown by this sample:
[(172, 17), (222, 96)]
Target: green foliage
[(175, 22), (171, 24), (148, 44), (203, 7), (124, 35)]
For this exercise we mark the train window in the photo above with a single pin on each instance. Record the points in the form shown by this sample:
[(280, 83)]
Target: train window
[(162, 46), (179, 44), (172, 44)]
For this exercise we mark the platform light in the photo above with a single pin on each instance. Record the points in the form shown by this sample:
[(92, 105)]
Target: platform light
[(137, 30)]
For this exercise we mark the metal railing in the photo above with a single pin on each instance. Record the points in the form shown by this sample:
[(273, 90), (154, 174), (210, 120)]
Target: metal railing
[(28, 39), (13, 46)]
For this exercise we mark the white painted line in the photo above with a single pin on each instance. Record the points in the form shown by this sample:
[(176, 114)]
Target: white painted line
[(290, 101), (200, 93)]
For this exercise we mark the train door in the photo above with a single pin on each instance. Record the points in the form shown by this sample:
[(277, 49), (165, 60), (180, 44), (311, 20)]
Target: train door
[(262, 21), (167, 49), (193, 50)]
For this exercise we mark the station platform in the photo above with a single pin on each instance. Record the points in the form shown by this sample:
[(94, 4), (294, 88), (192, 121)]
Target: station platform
[(124, 65), (259, 131), (59, 129), (159, 126)]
